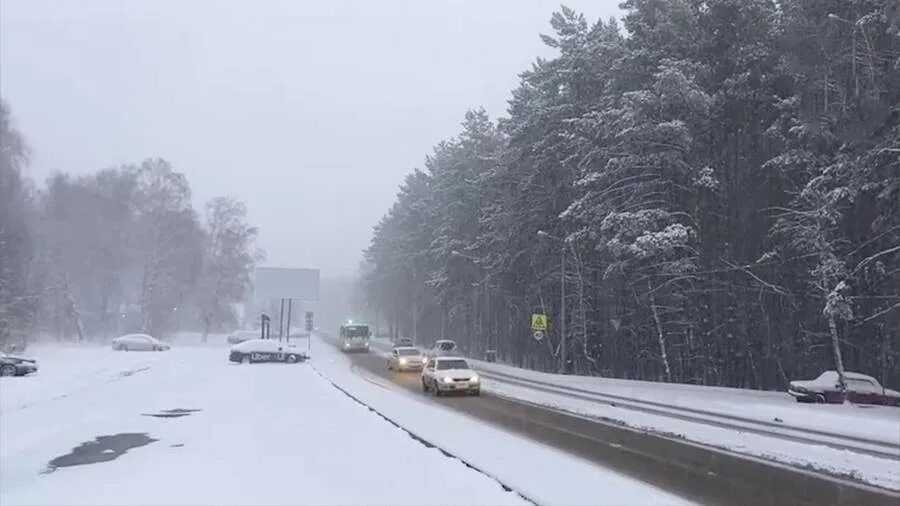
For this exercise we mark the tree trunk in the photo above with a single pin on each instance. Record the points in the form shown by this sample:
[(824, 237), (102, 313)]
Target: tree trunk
[(207, 323), (838, 359), (663, 354), (72, 311)]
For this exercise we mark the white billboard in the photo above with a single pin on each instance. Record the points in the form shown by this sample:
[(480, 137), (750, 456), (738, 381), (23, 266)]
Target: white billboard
[(286, 283)]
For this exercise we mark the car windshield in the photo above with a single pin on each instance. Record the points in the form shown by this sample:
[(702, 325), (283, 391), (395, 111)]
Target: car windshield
[(355, 331), (409, 352), (445, 346), (452, 364)]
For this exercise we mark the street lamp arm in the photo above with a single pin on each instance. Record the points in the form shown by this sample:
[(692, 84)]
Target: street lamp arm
[(546, 235), (456, 253)]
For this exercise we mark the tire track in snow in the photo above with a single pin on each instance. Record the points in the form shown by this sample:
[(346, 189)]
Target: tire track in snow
[(424, 442)]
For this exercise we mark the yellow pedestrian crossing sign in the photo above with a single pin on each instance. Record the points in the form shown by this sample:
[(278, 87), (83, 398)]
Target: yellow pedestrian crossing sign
[(539, 322)]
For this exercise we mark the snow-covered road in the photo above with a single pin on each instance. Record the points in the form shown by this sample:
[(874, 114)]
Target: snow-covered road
[(263, 434)]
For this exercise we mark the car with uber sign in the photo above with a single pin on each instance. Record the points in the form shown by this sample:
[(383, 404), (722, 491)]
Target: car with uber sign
[(266, 350)]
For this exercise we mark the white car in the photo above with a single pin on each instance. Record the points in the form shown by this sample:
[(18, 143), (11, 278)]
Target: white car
[(406, 358), (266, 350), (443, 375), (138, 342)]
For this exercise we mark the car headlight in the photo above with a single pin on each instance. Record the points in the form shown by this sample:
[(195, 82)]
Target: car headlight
[(474, 379), (402, 361), (447, 379)]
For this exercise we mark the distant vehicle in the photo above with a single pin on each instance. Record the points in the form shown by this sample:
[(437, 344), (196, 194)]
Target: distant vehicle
[(443, 348), (16, 366), (240, 336), (138, 342), (404, 341), (443, 375), (406, 358), (355, 337), (861, 389), (266, 350)]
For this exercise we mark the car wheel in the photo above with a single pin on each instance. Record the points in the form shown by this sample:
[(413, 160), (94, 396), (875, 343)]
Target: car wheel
[(390, 367), (820, 398), (245, 359), (424, 386), (477, 393), (292, 359), (8, 370), (437, 390)]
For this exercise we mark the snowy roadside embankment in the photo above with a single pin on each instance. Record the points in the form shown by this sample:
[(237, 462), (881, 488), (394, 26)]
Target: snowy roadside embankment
[(539, 472), (878, 422)]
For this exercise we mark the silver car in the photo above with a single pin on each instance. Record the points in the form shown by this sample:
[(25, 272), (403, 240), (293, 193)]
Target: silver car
[(445, 375), (406, 358), (138, 342)]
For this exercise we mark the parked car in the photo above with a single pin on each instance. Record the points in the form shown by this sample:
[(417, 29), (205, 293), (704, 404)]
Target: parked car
[(266, 350), (138, 342), (444, 375), (406, 358), (861, 389), (16, 366)]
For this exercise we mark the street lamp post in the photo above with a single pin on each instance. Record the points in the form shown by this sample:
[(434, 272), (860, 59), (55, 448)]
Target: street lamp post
[(563, 344), (486, 289), (835, 17)]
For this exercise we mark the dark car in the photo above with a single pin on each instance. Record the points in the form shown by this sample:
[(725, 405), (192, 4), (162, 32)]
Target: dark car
[(404, 341), (266, 350), (16, 366), (443, 348), (861, 389)]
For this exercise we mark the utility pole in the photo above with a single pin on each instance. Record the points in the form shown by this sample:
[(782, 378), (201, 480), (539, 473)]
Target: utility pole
[(563, 346)]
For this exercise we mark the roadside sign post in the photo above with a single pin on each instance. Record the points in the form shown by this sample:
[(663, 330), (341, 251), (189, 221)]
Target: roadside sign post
[(538, 326)]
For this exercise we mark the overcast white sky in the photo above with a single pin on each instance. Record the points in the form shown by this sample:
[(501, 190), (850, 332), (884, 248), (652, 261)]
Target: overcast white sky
[(310, 112)]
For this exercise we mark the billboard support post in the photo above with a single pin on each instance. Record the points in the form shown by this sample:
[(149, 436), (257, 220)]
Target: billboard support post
[(290, 305), (281, 321)]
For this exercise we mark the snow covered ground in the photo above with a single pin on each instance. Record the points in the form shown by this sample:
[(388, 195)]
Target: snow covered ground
[(187, 427), (877, 422), (263, 434)]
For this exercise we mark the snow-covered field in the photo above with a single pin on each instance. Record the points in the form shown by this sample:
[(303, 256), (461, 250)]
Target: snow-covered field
[(262, 434), (877, 422)]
